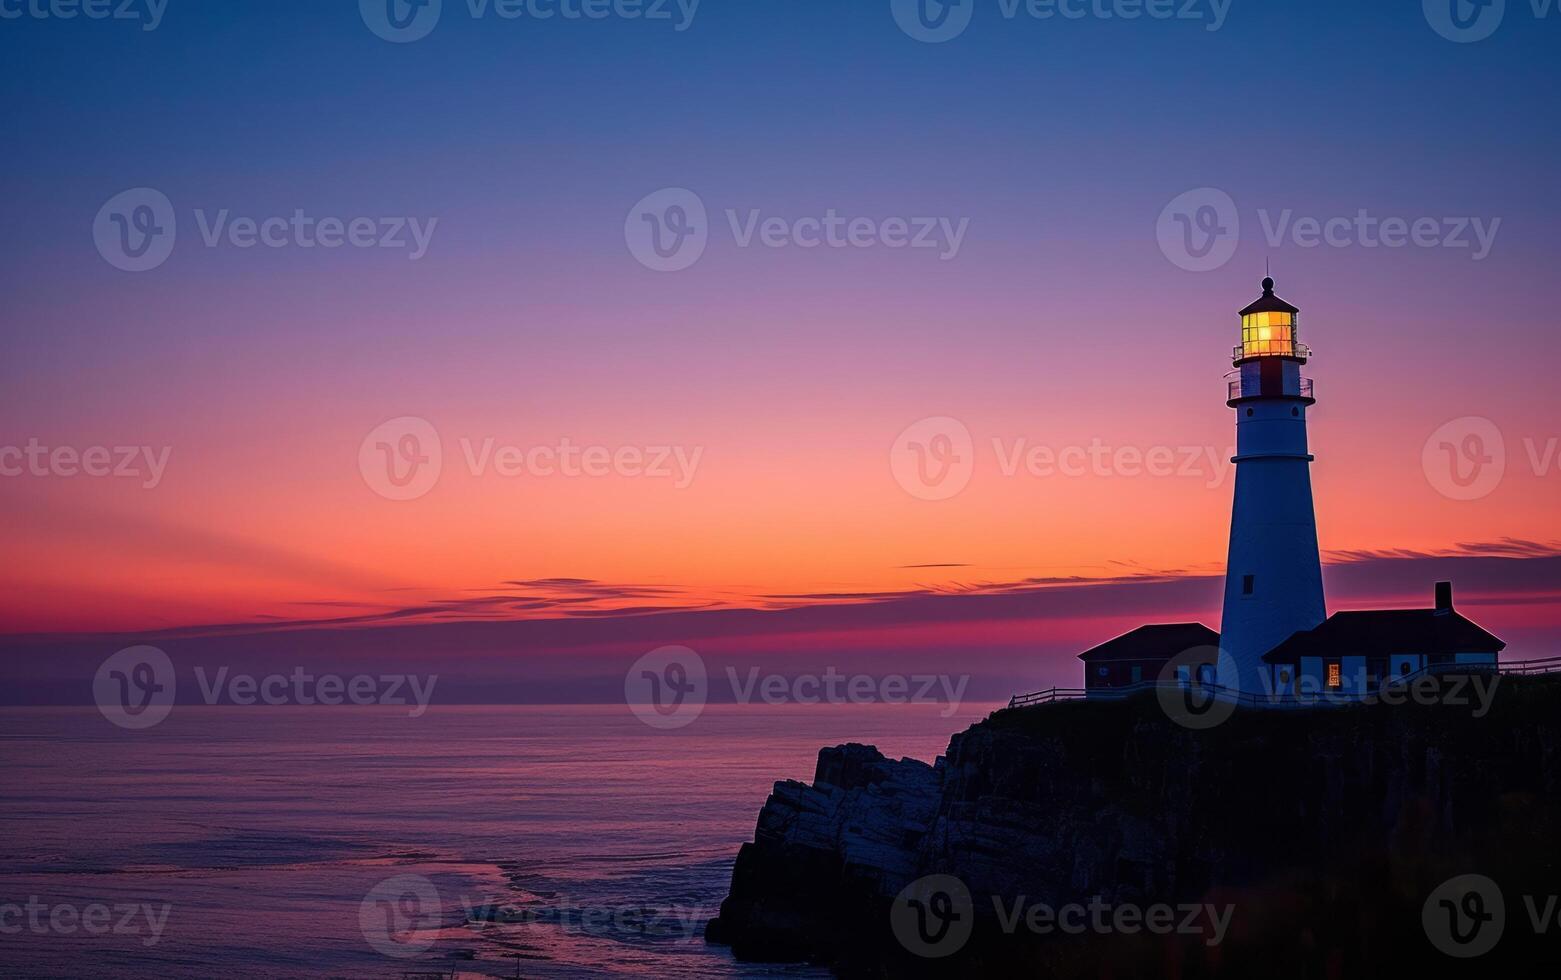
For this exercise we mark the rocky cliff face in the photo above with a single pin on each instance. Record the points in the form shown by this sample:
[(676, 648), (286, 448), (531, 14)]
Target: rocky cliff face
[(1324, 834)]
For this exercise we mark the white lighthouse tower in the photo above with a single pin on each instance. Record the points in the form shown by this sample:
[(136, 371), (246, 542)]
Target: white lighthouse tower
[(1273, 578)]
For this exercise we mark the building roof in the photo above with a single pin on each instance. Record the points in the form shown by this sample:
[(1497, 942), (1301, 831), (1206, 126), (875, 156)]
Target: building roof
[(1269, 303), (1383, 632), (1159, 642)]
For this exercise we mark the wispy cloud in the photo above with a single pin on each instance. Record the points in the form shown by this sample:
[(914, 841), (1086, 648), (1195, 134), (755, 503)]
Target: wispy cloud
[(1505, 571), (1503, 548)]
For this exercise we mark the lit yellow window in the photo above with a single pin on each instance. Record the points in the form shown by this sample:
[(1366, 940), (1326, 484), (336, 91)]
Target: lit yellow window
[(1335, 676), (1267, 334)]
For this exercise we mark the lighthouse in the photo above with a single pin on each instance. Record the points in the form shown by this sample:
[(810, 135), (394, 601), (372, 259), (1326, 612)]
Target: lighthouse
[(1273, 576), (1277, 639)]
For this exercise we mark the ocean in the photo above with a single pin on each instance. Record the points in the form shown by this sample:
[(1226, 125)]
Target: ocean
[(480, 841)]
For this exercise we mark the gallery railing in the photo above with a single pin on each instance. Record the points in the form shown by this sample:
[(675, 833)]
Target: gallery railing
[(1305, 389), (1521, 668)]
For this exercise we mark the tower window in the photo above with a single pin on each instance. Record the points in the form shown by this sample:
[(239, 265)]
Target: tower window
[(1248, 584), (1335, 675)]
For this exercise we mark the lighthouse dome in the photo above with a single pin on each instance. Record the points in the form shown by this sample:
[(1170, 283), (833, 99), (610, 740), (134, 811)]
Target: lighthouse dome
[(1269, 303)]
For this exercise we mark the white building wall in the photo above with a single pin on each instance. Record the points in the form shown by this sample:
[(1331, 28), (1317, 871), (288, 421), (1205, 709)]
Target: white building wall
[(1273, 538)]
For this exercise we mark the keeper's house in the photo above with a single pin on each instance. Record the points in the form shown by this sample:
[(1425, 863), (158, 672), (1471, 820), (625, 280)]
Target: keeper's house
[(1143, 654), (1356, 652)]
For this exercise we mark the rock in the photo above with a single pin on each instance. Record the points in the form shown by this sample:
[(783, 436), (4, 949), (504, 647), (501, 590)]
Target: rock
[(1325, 831)]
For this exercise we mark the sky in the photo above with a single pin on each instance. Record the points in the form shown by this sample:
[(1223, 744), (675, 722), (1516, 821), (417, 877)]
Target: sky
[(746, 425)]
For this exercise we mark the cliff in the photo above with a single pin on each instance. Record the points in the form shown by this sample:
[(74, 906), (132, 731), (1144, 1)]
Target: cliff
[(1297, 843)]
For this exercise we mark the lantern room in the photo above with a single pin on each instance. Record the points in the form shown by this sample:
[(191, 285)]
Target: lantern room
[(1268, 329)]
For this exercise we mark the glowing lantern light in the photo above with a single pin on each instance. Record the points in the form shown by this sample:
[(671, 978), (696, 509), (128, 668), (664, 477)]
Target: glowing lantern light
[(1268, 328)]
